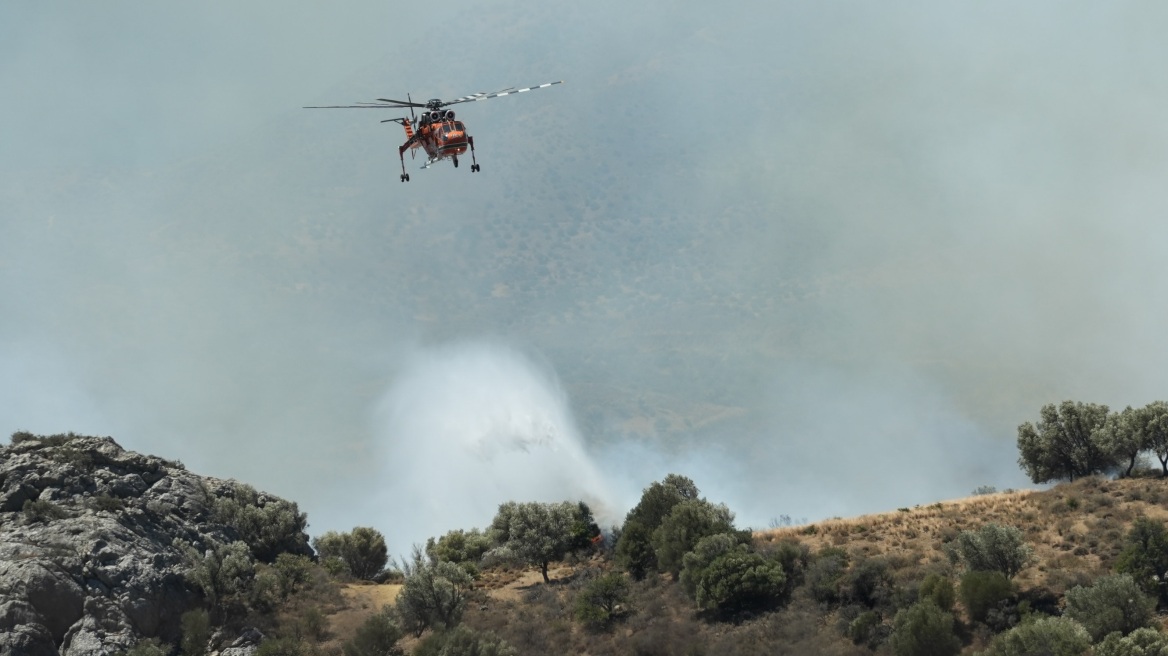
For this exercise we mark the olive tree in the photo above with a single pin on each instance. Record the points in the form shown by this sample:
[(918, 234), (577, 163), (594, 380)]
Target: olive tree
[(1145, 555), (1141, 642), (269, 525), (362, 550), (433, 594), (1113, 603), (1048, 636), (634, 549), (1153, 422), (686, 524), (1066, 443), (224, 573), (995, 548), (538, 533)]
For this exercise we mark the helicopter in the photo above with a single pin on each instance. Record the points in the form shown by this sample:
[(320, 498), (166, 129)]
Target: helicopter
[(434, 129)]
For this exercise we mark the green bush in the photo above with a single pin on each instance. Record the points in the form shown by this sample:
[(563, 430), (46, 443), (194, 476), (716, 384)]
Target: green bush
[(739, 580), (196, 631), (268, 525), (148, 647), (1141, 642), (983, 591), (868, 582), (433, 595), (459, 546), (825, 575), (281, 647), (1047, 636), (378, 636), (1145, 555), (634, 549), (1113, 603), (107, 503), (995, 548), (463, 641), (940, 590), (689, 521), (42, 511), (362, 550), (923, 629), (224, 573), (868, 629), (597, 603)]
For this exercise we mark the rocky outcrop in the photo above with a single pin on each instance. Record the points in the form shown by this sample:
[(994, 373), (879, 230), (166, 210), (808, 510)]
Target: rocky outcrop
[(94, 544)]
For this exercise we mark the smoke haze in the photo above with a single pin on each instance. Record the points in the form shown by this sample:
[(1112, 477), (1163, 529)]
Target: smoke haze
[(823, 259)]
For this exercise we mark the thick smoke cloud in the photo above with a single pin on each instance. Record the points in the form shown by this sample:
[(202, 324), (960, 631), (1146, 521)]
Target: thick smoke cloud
[(822, 258)]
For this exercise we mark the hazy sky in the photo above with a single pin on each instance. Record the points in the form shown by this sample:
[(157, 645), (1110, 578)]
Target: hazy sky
[(822, 258)]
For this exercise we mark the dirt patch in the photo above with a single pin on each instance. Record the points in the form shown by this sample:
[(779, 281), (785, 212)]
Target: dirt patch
[(361, 600)]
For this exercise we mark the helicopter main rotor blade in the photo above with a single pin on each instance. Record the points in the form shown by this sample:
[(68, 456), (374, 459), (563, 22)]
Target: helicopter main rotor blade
[(365, 106), (403, 103), (498, 94)]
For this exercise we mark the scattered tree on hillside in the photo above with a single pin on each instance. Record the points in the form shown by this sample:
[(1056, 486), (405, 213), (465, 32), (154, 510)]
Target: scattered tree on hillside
[(269, 526), (459, 546), (994, 548), (1153, 422), (723, 573), (1145, 555), (377, 636), (1047, 636), (1141, 642), (634, 549), (1123, 437), (1113, 603), (539, 533), (1066, 443), (224, 573), (433, 594), (923, 629), (362, 550), (597, 603), (463, 641), (689, 521)]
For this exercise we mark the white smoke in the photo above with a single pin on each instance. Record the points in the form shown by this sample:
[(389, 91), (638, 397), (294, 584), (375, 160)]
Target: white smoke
[(468, 426)]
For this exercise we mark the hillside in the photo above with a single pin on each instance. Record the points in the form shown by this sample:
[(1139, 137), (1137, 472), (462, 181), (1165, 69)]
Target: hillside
[(104, 549)]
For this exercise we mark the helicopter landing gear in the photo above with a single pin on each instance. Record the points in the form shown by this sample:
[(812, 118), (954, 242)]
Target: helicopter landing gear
[(401, 153), (455, 158), (474, 166), (405, 177)]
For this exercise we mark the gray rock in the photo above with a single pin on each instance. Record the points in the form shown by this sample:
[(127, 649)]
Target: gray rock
[(93, 578)]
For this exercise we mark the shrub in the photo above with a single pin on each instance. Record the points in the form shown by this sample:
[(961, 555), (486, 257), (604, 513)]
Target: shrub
[(995, 548), (1141, 642), (740, 579), (291, 571), (378, 636), (22, 436), (362, 550), (281, 647), (433, 594), (1113, 603), (224, 573), (923, 629), (269, 526), (459, 546), (42, 511), (868, 582), (1048, 636), (597, 603), (634, 549), (149, 647), (984, 591), (196, 631), (940, 590), (539, 533), (688, 522), (463, 641), (826, 573), (1145, 555), (867, 629)]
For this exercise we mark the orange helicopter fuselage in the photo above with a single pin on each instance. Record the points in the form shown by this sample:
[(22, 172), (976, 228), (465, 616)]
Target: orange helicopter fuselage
[(441, 139)]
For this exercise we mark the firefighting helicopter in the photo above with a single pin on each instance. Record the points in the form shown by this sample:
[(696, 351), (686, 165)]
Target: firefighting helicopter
[(434, 129)]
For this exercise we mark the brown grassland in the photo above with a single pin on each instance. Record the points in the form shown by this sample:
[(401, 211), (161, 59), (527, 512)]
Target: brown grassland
[(1076, 530)]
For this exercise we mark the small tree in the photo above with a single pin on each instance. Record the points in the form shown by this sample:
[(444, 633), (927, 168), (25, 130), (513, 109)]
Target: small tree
[(268, 525), (224, 573), (433, 594), (459, 546), (463, 641), (923, 629), (196, 631), (378, 636), (739, 580), (940, 590), (597, 603), (983, 591), (1153, 422), (1048, 636), (686, 524), (362, 550), (1113, 603), (539, 533), (1141, 642), (1123, 437), (1066, 443), (1145, 555), (634, 549), (995, 548)]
